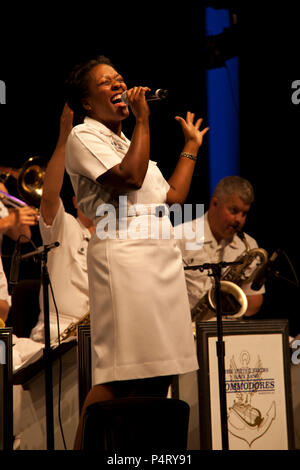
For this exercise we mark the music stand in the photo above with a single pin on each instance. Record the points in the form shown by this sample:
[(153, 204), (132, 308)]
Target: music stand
[(216, 269), (42, 252)]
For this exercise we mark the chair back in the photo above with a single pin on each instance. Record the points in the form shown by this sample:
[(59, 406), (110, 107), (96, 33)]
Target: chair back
[(137, 423)]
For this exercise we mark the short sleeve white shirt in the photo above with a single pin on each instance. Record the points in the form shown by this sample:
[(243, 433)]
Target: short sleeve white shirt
[(92, 149), (198, 283), (67, 268)]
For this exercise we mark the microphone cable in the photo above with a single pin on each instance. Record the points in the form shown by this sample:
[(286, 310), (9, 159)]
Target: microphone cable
[(291, 266), (59, 369)]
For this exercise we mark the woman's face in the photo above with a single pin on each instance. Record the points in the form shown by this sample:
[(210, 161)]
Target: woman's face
[(103, 102)]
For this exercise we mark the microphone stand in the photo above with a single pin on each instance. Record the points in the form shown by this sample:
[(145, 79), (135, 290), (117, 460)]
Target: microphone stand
[(47, 354), (216, 269), (47, 351), (216, 273)]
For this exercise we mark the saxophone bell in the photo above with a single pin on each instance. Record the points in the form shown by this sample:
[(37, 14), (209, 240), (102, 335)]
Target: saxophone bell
[(234, 302)]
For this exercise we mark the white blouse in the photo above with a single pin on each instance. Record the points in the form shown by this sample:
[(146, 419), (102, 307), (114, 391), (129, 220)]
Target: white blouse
[(94, 150)]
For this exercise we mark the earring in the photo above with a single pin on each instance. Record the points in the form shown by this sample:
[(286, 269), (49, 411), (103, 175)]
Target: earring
[(87, 106)]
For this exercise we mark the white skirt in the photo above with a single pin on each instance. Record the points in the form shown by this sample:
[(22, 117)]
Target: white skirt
[(139, 309)]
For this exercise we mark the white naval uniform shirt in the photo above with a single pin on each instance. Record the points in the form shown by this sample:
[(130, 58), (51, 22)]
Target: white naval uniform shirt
[(198, 283), (92, 149), (67, 271)]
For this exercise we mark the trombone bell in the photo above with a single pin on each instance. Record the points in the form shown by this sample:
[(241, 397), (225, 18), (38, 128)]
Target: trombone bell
[(30, 181)]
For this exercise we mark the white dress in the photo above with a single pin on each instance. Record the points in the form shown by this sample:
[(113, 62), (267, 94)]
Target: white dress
[(140, 316)]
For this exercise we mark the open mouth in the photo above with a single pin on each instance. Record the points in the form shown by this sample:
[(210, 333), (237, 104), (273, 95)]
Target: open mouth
[(234, 228), (117, 99)]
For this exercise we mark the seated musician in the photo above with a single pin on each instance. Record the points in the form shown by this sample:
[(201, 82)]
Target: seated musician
[(15, 222), (223, 221)]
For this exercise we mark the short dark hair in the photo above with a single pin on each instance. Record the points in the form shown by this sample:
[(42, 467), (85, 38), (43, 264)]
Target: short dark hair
[(78, 82)]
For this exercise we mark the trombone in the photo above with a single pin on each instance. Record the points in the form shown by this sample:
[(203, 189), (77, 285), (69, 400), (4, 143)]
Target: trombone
[(11, 201), (30, 180)]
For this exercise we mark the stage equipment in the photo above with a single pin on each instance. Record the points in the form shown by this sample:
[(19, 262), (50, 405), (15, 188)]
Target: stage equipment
[(216, 269)]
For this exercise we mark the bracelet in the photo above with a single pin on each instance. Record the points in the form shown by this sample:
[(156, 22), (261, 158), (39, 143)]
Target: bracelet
[(188, 155)]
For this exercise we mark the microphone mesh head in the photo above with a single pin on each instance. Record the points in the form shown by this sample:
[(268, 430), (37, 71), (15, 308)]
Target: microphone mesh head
[(157, 95), (124, 97)]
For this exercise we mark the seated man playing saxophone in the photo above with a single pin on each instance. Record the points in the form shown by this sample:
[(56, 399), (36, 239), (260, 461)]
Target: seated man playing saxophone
[(67, 263), (223, 241)]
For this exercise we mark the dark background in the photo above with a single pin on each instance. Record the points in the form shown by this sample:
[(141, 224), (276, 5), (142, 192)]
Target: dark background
[(164, 48)]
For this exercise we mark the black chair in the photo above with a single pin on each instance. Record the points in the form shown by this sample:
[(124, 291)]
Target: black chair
[(142, 424)]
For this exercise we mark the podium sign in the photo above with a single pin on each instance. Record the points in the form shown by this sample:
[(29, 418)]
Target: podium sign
[(257, 381)]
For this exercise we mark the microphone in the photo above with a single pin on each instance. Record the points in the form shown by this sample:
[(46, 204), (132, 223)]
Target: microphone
[(14, 268), (264, 272), (157, 95), (40, 250)]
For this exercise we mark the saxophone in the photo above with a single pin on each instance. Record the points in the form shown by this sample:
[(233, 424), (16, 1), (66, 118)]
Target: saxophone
[(233, 299), (71, 330)]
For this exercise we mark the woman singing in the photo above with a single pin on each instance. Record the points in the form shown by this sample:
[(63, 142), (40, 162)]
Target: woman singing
[(141, 330)]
